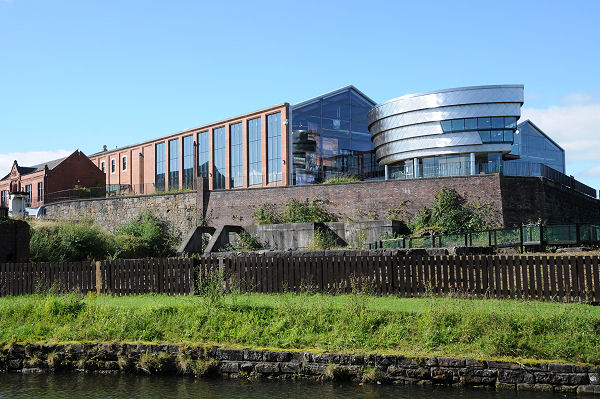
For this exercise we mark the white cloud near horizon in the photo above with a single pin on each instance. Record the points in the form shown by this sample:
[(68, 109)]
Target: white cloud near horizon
[(28, 158), (574, 125)]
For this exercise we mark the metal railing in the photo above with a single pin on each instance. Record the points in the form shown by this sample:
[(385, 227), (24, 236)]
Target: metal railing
[(528, 235)]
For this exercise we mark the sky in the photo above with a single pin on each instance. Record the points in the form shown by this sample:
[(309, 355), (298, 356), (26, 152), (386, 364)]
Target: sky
[(83, 74)]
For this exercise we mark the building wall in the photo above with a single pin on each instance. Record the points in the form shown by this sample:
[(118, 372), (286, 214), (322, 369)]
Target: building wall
[(75, 170), (144, 182), (535, 199), (14, 239)]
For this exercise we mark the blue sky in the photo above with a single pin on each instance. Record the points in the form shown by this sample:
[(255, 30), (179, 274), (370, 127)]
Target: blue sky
[(80, 74)]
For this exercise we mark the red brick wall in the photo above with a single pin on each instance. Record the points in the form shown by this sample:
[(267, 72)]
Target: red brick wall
[(353, 201), (77, 169)]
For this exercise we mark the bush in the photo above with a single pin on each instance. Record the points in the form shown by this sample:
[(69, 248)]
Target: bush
[(342, 179), (146, 236), (294, 211), (69, 242)]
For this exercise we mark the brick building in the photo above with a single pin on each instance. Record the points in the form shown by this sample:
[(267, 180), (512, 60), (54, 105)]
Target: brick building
[(43, 181)]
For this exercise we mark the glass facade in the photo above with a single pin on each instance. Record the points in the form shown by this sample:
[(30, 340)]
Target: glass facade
[(160, 160), (330, 137), (491, 129), (174, 164), (188, 162), (532, 146), (219, 158), (235, 155), (203, 154), (274, 148), (254, 152)]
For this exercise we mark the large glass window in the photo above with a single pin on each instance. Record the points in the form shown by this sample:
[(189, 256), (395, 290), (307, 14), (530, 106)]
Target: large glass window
[(4, 198), (188, 162), (274, 147), (235, 155), (203, 154), (40, 191), (330, 138), (174, 164), (160, 165), (254, 152), (219, 158), (534, 147)]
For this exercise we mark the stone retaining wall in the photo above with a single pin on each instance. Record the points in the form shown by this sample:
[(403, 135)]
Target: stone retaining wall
[(255, 364)]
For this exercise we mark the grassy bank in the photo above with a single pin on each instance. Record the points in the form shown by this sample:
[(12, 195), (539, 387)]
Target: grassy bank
[(484, 329)]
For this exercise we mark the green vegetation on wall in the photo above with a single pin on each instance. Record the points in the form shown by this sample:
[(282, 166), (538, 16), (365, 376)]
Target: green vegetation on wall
[(294, 211), (145, 236)]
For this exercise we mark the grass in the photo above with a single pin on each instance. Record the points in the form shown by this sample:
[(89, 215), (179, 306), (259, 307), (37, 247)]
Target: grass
[(480, 329)]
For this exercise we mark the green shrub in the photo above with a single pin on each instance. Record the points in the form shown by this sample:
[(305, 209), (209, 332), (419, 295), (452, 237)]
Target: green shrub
[(69, 241), (267, 214), (323, 239), (342, 179), (146, 236)]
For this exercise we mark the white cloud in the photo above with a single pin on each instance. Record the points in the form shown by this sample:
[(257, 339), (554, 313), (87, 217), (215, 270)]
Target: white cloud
[(592, 172), (28, 158), (573, 127)]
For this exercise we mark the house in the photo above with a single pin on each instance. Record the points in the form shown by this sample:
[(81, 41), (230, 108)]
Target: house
[(38, 184)]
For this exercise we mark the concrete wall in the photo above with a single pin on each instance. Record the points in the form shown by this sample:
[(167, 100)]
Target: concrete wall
[(14, 240)]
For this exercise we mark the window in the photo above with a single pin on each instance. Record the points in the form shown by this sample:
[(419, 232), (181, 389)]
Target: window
[(471, 124), (103, 166), (254, 152), (188, 162), (446, 126), (174, 164), (458, 125), (160, 167), (3, 198), (203, 154), (498, 122), (274, 147), (124, 163), (40, 192), (235, 155), (484, 123), (113, 165), (219, 158), (28, 190)]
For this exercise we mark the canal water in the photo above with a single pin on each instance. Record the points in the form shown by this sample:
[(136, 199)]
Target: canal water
[(75, 385)]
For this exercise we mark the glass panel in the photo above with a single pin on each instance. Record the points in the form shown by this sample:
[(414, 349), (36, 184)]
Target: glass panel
[(174, 164), (254, 152), (471, 124), (40, 192), (188, 162), (510, 122), (219, 158), (274, 147), (446, 126), (235, 154), (498, 122), (508, 136), (485, 136), (160, 166), (484, 123), (458, 125), (203, 154), (496, 136)]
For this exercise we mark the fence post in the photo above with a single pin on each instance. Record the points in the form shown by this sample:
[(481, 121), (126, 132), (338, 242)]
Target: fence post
[(98, 278)]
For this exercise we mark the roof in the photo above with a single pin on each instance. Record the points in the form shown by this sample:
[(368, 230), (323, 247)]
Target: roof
[(334, 92), (541, 131), (514, 86), (25, 170)]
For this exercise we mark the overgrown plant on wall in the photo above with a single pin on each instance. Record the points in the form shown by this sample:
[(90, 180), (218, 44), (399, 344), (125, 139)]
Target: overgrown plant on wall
[(294, 211), (450, 214), (145, 236)]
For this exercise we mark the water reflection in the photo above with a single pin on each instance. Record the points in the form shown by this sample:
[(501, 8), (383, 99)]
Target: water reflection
[(72, 385)]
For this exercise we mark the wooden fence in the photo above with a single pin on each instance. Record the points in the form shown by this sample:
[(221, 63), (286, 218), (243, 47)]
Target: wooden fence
[(562, 278)]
